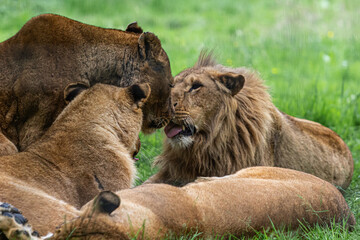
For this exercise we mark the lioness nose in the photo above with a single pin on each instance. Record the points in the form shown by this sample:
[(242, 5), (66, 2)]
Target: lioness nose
[(171, 108)]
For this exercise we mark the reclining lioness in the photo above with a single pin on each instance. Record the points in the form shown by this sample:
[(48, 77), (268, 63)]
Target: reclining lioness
[(251, 200), (225, 121), (88, 149)]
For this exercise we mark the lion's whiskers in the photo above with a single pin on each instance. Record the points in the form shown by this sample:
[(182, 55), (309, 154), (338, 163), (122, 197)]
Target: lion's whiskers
[(189, 123)]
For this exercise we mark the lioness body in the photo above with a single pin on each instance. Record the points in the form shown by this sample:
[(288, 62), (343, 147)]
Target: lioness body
[(52, 51), (254, 199), (85, 151), (229, 122)]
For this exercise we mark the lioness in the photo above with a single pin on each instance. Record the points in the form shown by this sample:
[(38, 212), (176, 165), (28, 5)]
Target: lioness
[(251, 200), (52, 51), (225, 121), (88, 149)]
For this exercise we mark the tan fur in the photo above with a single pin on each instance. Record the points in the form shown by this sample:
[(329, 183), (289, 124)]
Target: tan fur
[(88, 149), (251, 200), (52, 51), (234, 132)]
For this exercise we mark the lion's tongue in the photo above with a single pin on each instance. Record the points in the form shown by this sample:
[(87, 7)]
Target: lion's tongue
[(172, 129)]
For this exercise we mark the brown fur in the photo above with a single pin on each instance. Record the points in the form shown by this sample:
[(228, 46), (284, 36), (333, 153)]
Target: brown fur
[(88, 149), (251, 200), (52, 51), (238, 128)]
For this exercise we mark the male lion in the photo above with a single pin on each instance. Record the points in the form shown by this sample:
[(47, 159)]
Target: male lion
[(225, 121), (88, 149), (52, 51), (251, 200)]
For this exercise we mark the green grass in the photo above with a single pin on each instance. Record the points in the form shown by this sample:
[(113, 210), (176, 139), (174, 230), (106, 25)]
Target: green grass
[(307, 51)]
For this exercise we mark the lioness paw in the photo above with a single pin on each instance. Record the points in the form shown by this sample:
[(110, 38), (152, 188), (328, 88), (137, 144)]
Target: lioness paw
[(13, 224)]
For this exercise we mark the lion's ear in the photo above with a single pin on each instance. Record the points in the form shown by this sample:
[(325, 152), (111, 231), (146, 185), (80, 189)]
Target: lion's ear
[(134, 27), (106, 202), (74, 89), (140, 93), (149, 46), (232, 81)]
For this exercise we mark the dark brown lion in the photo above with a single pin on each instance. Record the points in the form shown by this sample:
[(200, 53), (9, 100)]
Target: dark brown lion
[(52, 51)]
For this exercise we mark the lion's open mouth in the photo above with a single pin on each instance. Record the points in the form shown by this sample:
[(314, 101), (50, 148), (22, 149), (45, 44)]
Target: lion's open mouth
[(173, 130)]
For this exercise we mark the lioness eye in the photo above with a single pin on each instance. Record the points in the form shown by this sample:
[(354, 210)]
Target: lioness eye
[(195, 86)]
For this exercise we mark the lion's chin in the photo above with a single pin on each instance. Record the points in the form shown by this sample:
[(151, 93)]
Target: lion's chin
[(180, 141)]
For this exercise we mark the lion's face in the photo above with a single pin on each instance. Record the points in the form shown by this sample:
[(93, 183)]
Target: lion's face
[(198, 95)]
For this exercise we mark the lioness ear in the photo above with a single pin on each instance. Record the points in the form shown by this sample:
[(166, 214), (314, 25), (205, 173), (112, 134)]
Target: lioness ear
[(232, 81), (106, 202), (149, 46), (140, 93), (72, 90), (134, 27)]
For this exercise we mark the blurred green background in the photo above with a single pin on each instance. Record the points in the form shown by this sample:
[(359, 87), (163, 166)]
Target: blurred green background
[(307, 51)]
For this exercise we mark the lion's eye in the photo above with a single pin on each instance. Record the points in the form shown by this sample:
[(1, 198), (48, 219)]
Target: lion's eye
[(195, 86)]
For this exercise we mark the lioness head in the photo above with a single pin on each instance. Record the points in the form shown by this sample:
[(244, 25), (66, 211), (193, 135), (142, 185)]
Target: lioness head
[(155, 70), (96, 222), (198, 95), (127, 106)]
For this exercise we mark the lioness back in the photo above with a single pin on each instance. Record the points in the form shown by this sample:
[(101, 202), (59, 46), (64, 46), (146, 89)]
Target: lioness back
[(330, 157), (225, 121)]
